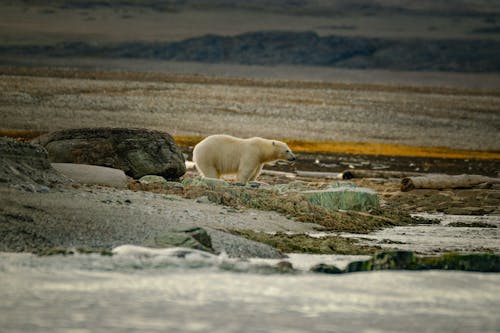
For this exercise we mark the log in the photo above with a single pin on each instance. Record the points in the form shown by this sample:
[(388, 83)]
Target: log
[(349, 174), (439, 181), (278, 173), (318, 174)]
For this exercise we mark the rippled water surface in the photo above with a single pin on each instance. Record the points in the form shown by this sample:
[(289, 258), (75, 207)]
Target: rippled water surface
[(196, 293)]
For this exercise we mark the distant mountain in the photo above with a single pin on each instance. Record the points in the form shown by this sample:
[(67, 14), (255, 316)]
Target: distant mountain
[(297, 48), (297, 7)]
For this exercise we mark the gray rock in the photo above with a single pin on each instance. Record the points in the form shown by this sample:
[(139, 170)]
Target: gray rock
[(92, 174), (239, 247), (152, 179), (138, 152), (26, 166), (194, 238), (327, 269), (384, 260), (474, 262), (210, 183)]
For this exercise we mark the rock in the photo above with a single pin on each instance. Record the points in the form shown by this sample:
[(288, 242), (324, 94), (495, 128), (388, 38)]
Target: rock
[(209, 183), (481, 262), (384, 260), (154, 183), (327, 269), (214, 241), (476, 262), (194, 238), (203, 199), (26, 166), (345, 198), (239, 247), (152, 179), (138, 152), (93, 174)]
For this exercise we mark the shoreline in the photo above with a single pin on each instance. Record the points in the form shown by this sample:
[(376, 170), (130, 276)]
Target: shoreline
[(326, 147)]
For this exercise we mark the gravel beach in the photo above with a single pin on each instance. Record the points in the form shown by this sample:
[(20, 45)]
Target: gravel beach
[(200, 106)]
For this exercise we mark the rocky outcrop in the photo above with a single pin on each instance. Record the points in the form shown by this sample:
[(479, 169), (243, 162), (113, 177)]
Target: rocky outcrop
[(407, 260), (26, 166), (137, 152), (295, 48)]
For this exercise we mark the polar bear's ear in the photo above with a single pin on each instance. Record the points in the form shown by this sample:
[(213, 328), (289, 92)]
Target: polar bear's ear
[(274, 143)]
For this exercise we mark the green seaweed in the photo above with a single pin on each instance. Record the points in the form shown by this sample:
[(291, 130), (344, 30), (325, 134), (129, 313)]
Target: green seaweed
[(294, 205), (344, 197), (302, 243), (477, 262)]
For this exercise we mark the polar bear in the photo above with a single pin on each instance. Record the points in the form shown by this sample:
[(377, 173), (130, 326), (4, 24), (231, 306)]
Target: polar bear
[(218, 155)]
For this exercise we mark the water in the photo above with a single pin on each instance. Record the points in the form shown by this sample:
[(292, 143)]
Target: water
[(188, 291), (438, 238)]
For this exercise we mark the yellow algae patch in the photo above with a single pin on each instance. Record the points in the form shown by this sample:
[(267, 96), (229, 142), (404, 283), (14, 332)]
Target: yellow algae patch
[(188, 141), (387, 149), (21, 135)]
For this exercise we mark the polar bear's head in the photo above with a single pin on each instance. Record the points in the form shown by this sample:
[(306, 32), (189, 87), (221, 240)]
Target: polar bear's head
[(282, 151)]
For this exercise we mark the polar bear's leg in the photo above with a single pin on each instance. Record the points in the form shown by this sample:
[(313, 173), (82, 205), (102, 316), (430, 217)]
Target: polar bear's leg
[(244, 174), (248, 172), (255, 174), (208, 171), (211, 173)]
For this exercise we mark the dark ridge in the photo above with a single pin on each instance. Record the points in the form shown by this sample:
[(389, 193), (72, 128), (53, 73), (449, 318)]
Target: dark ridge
[(487, 30), (296, 48), (447, 8)]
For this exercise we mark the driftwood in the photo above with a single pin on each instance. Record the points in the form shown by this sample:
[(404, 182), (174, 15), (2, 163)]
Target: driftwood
[(349, 174), (278, 173), (437, 181), (318, 174)]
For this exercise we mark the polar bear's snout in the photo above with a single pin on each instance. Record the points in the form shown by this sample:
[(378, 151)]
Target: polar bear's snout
[(291, 156)]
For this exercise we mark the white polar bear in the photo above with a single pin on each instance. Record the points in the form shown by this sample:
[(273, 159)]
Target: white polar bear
[(218, 155)]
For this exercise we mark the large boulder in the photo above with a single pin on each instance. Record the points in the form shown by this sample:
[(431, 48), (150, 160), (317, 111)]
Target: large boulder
[(26, 166), (137, 152)]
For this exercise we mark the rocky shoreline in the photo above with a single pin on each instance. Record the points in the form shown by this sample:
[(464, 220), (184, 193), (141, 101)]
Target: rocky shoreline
[(45, 212)]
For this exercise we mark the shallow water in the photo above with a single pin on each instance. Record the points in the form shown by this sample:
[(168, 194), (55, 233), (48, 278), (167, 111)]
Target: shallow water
[(138, 292), (438, 238)]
